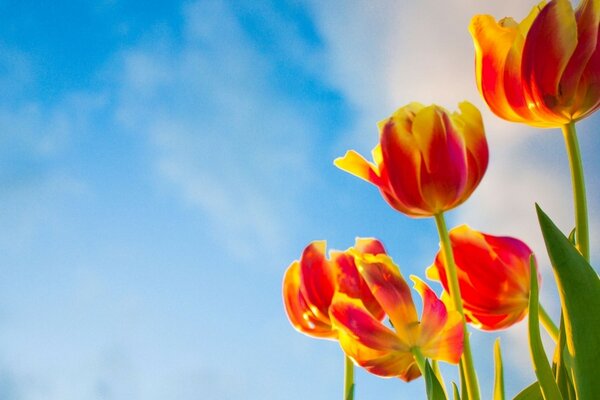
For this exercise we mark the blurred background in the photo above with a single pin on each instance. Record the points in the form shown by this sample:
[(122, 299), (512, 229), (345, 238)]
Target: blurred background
[(163, 162)]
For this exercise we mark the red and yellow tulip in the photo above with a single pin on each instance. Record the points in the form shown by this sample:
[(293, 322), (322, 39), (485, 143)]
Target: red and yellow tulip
[(427, 161), (493, 274), (389, 352), (309, 285), (545, 70)]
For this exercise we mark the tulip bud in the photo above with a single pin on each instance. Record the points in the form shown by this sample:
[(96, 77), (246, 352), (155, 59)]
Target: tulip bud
[(428, 160)]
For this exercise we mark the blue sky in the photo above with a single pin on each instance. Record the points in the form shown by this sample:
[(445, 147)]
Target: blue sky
[(163, 163)]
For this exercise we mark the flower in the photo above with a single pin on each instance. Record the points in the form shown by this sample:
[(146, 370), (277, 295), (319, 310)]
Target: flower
[(493, 274), (310, 283), (543, 71), (389, 352), (427, 161)]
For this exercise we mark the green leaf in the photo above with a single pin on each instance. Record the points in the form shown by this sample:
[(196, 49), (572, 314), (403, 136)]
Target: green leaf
[(498, 372), (541, 365), (432, 384), (579, 291), (464, 392), (531, 392), (563, 365), (455, 391)]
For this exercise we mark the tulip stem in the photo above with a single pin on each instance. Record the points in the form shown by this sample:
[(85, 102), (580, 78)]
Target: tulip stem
[(582, 234), (419, 358), (549, 325), (348, 378), (454, 288)]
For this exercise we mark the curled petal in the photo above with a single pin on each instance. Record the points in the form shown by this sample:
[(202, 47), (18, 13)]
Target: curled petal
[(354, 163), (298, 311), (442, 331)]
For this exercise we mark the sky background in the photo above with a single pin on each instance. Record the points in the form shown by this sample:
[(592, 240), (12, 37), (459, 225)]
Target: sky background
[(162, 163)]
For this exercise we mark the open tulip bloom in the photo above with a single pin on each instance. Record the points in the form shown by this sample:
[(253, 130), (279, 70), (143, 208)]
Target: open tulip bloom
[(544, 72), (396, 351)]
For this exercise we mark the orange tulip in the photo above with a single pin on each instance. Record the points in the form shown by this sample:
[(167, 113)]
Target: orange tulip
[(493, 275), (388, 352), (427, 161), (310, 283), (545, 70)]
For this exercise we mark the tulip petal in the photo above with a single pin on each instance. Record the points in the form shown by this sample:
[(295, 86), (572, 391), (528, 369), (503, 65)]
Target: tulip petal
[(318, 279), (391, 291), (549, 45), (349, 315), (588, 18), (434, 315), (470, 123), (399, 364), (355, 164), (369, 245), (401, 156), (442, 147), (297, 309), (493, 42), (351, 283)]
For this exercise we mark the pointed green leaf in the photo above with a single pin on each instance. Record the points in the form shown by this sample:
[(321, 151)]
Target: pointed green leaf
[(455, 392), (563, 365), (498, 372), (541, 366), (579, 290), (464, 392), (531, 392), (433, 386)]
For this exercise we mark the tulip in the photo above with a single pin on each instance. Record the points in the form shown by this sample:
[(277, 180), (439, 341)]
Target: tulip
[(396, 352), (543, 71), (309, 285), (428, 160), (493, 275)]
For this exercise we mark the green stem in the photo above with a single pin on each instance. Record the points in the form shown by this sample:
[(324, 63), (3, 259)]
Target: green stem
[(419, 358), (549, 325), (348, 378), (582, 234), (454, 289)]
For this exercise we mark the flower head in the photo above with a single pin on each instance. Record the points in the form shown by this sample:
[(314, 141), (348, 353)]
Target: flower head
[(427, 161), (493, 275), (385, 351), (309, 285), (545, 70)]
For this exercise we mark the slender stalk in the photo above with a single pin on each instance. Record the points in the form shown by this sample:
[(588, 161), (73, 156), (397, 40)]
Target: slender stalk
[(348, 378), (582, 234), (454, 289), (548, 324), (419, 358)]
